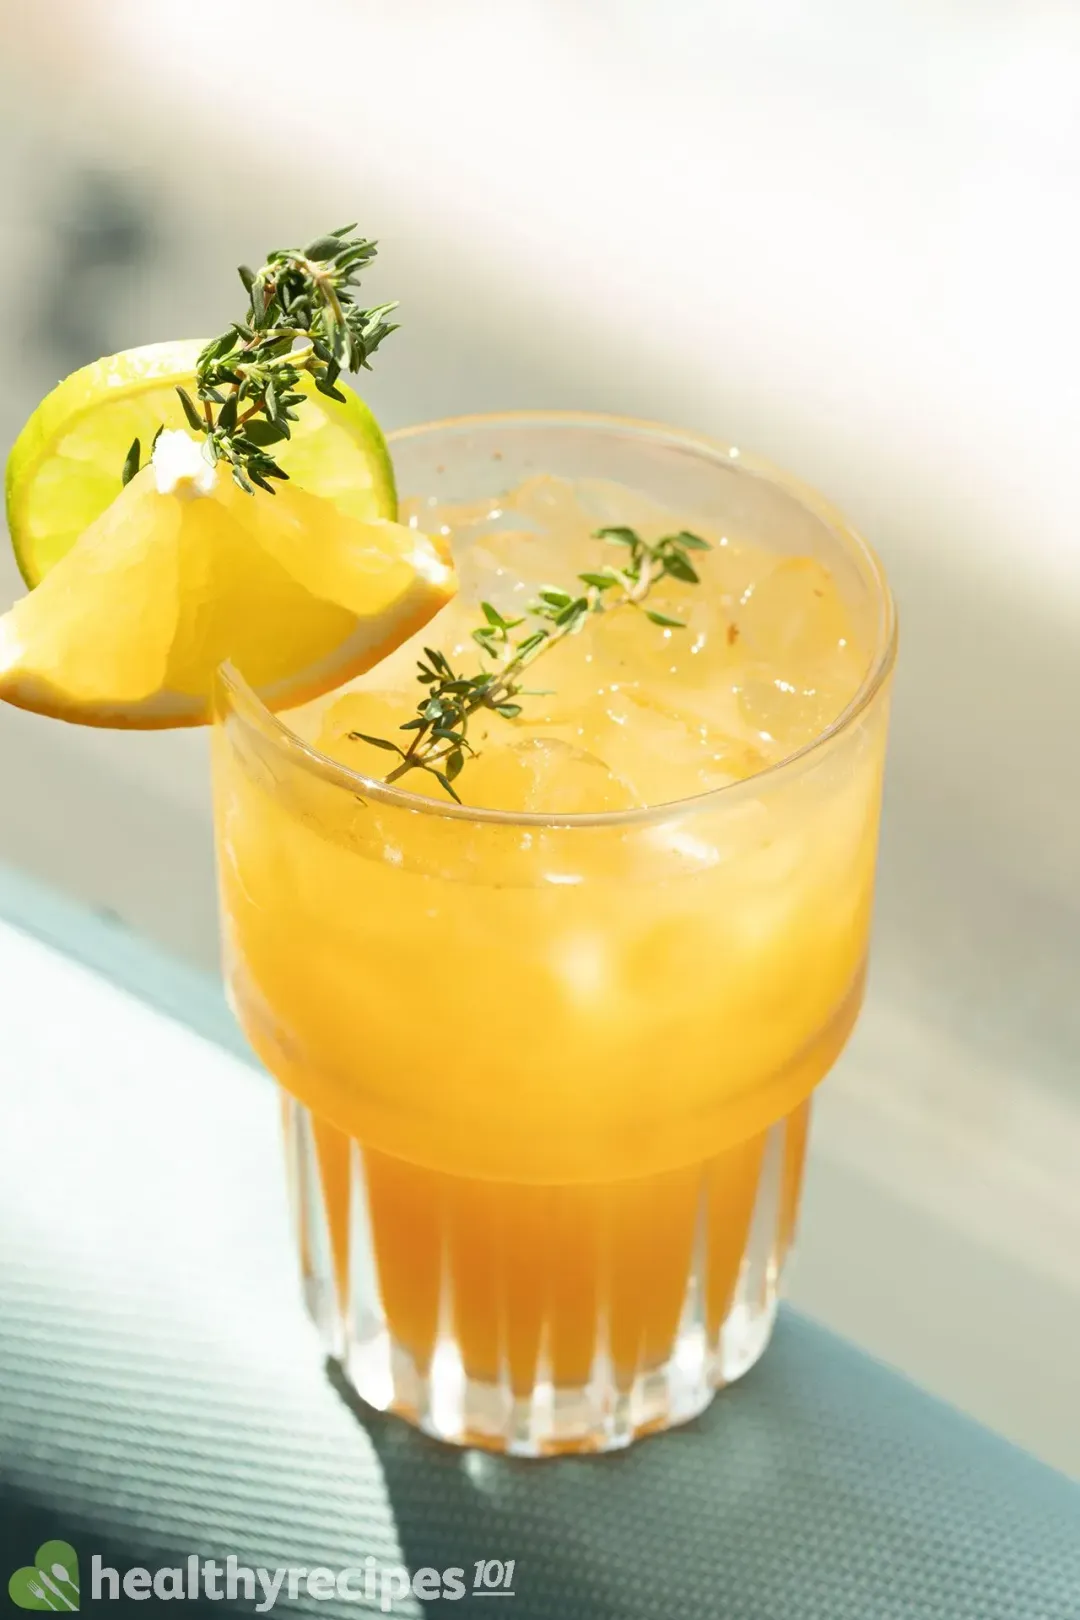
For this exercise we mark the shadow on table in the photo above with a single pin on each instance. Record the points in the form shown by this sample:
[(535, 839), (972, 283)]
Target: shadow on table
[(26, 1521), (822, 1485)]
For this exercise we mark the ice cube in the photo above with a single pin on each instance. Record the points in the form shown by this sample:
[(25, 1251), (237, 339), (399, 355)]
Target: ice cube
[(506, 569), (543, 536), (795, 615), (543, 775), (434, 515), (510, 567), (664, 754), (699, 653), (804, 662), (376, 713), (561, 684), (586, 966), (607, 504), (549, 503), (782, 714)]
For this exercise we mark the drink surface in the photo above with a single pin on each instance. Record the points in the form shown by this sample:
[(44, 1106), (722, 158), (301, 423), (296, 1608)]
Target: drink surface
[(628, 712), (569, 1002)]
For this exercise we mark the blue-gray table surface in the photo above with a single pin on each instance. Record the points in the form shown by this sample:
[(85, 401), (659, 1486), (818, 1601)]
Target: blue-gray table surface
[(161, 1394)]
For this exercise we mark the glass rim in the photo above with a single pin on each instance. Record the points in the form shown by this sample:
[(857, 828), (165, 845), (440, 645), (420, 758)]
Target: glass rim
[(240, 694)]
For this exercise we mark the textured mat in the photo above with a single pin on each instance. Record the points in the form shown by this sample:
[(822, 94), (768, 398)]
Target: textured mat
[(161, 1394)]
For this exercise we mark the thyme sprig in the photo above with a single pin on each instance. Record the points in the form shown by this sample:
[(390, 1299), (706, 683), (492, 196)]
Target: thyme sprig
[(302, 319), (439, 742)]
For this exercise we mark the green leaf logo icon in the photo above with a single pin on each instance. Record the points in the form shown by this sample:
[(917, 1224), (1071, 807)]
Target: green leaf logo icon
[(50, 1582)]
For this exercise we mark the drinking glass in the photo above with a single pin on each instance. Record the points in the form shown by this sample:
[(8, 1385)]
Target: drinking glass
[(546, 1079)]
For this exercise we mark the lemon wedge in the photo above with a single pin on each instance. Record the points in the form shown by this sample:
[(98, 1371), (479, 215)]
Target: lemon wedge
[(183, 571), (64, 468)]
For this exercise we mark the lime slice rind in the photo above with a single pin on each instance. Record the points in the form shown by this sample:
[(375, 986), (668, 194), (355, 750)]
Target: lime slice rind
[(64, 469)]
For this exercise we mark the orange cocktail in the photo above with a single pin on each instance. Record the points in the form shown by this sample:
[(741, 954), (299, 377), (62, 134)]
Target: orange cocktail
[(547, 1054)]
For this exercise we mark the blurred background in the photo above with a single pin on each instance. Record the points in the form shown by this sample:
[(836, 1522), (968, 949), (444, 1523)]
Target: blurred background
[(845, 236)]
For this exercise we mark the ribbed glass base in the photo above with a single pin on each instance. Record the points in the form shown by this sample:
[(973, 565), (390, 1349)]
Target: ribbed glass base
[(536, 1319)]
